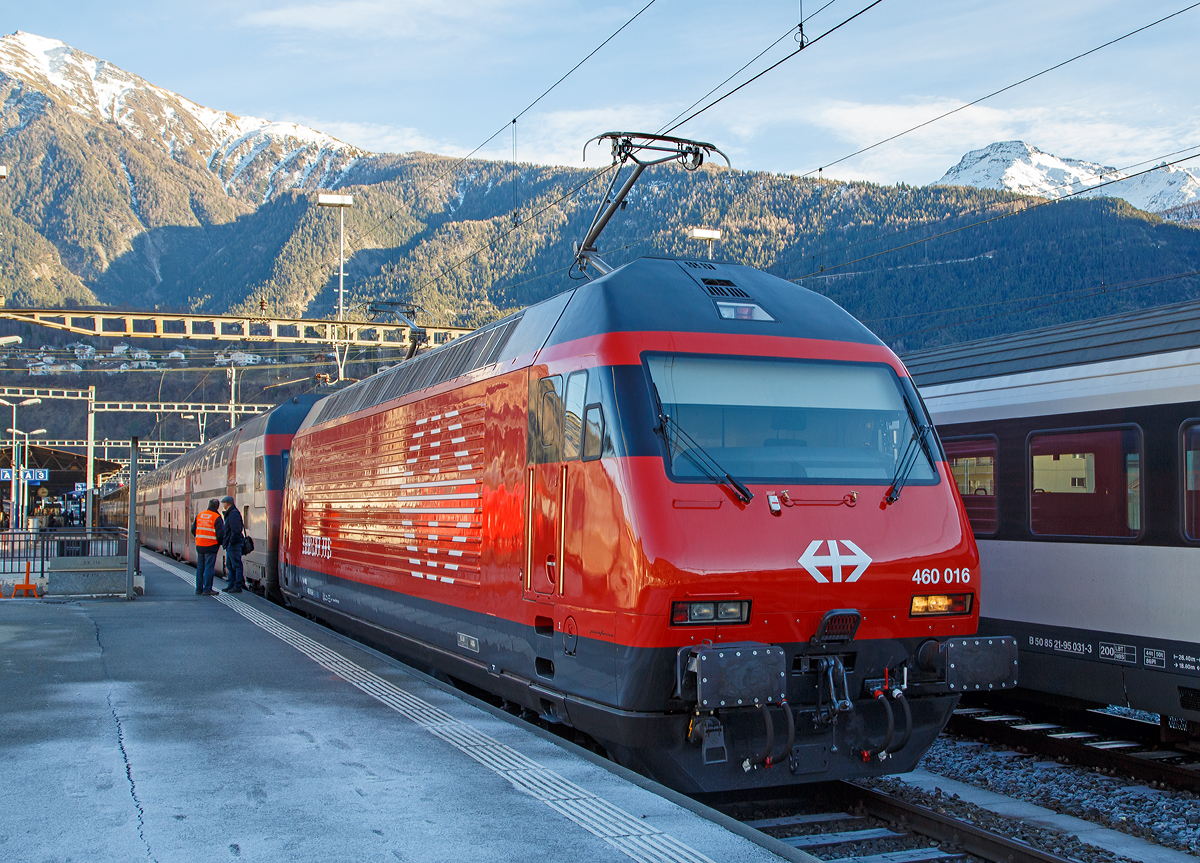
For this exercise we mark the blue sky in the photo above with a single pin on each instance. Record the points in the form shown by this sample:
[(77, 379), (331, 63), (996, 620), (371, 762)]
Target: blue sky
[(441, 76)]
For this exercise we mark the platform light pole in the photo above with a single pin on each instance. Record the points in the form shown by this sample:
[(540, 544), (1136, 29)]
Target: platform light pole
[(341, 202), (708, 235), (131, 543), (22, 485), (12, 500)]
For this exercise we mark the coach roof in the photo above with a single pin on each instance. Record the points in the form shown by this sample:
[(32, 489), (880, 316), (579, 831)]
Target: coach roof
[(1131, 334)]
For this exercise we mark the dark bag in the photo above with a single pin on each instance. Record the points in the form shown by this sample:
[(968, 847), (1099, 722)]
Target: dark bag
[(247, 543)]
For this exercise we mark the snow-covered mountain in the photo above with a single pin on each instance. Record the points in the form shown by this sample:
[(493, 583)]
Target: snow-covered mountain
[(1019, 167), (254, 159)]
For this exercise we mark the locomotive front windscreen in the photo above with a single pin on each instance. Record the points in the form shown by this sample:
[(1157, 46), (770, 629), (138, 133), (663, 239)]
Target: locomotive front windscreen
[(771, 420)]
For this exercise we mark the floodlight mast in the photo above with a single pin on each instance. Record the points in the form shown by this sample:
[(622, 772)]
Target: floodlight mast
[(626, 146)]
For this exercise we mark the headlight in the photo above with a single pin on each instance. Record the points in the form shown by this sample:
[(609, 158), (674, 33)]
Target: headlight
[(726, 611), (940, 603), (729, 611)]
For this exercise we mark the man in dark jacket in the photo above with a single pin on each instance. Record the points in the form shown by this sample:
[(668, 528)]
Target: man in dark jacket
[(209, 533), (233, 545)]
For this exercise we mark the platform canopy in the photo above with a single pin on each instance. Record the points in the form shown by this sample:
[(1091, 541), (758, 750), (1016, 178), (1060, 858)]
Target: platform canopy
[(66, 468)]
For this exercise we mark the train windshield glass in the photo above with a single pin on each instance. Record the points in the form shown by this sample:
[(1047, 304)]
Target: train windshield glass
[(769, 420)]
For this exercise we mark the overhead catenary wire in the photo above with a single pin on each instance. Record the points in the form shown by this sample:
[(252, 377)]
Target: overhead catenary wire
[(1004, 89), (790, 31), (1157, 160), (1096, 292), (1067, 293), (479, 250), (560, 270), (773, 66), (353, 242), (1009, 214)]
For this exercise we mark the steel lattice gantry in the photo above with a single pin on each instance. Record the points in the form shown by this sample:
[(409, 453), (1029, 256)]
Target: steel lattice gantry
[(151, 453), (94, 407), (228, 328)]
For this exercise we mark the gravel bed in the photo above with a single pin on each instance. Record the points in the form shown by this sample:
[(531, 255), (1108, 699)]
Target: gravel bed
[(1130, 713), (1164, 816), (1051, 841)]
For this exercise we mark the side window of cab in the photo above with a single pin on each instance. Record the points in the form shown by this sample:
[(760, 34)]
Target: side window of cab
[(566, 426), (549, 419)]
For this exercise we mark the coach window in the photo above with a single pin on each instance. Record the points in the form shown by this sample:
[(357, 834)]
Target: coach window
[(550, 404), (260, 474), (973, 463), (1191, 481), (1086, 483), (573, 414), (593, 433)]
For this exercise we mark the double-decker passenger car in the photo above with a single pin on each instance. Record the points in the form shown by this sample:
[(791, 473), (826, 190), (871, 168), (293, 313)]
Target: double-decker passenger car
[(1077, 452), (691, 509), (248, 463)]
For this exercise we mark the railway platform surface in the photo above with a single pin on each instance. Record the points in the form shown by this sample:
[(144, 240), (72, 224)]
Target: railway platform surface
[(181, 727), (1121, 844)]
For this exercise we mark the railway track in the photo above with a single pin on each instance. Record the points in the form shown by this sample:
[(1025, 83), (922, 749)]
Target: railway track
[(1089, 738), (844, 823)]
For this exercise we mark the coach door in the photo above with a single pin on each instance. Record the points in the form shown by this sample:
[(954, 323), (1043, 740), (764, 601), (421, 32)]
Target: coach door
[(189, 505), (545, 481)]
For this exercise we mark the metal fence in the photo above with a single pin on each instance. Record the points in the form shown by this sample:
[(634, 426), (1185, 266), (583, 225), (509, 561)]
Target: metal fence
[(36, 547)]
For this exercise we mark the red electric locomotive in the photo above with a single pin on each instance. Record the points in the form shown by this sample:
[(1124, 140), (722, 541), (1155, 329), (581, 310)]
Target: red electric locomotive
[(688, 508)]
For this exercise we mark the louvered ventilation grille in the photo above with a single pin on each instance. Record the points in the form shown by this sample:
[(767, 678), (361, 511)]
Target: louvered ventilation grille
[(724, 288), (1189, 699), (438, 366)]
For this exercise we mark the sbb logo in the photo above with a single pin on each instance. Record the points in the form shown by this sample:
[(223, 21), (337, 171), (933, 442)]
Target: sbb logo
[(317, 546), (834, 561)]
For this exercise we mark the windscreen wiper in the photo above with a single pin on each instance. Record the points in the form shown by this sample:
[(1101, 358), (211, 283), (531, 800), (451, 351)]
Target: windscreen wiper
[(696, 454), (918, 443)]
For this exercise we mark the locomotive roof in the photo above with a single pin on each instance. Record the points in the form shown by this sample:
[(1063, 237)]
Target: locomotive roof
[(1140, 333), (680, 295), (647, 295)]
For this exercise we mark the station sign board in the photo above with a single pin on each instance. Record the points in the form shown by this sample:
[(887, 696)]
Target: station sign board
[(40, 474)]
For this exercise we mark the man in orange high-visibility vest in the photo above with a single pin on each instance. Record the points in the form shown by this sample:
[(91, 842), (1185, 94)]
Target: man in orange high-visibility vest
[(209, 531)]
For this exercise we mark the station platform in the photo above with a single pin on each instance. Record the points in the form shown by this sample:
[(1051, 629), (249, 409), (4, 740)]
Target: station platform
[(187, 728)]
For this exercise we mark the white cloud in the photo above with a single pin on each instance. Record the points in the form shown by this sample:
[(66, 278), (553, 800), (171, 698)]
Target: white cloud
[(383, 138), (829, 129), (416, 19)]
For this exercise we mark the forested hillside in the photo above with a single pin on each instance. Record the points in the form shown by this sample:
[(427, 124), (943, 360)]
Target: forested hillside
[(138, 204)]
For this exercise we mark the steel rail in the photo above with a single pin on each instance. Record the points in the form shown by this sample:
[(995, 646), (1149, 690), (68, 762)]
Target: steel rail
[(944, 828), (848, 802)]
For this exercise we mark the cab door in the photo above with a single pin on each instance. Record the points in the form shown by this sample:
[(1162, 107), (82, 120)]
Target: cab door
[(544, 483)]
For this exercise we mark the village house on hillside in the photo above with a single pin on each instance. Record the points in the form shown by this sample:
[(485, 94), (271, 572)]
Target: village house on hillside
[(54, 368)]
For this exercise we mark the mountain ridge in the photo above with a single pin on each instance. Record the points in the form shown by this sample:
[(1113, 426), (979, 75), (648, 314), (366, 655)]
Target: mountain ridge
[(252, 157), (1016, 166)]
